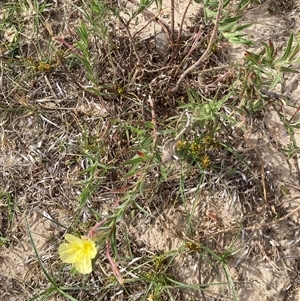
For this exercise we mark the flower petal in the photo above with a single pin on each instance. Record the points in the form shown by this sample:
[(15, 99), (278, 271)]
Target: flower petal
[(73, 239), (90, 250), (68, 253), (84, 266), (78, 251)]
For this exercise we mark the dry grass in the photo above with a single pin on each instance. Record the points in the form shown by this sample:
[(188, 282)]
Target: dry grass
[(187, 168)]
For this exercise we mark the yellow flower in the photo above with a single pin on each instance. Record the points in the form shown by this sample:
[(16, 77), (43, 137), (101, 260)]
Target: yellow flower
[(205, 162), (79, 252), (180, 145), (195, 148)]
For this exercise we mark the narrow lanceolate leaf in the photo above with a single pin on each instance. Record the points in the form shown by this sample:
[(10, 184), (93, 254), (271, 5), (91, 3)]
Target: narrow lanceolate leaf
[(241, 41), (288, 49), (287, 69), (295, 125), (135, 160), (227, 24), (252, 57), (294, 52), (242, 27), (236, 38)]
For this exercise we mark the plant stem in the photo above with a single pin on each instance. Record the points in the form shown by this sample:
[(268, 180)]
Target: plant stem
[(207, 51)]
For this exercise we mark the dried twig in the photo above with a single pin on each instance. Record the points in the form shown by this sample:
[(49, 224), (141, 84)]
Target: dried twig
[(151, 17), (187, 125), (182, 21), (153, 122), (207, 51), (193, 47), (294, 114), (131, 40), (172, 23), (176, 46), (169, 148)]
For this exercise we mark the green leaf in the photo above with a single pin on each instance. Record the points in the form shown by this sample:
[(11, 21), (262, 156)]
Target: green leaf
[(288, 49), (241, 27), (236, 38), (240, 41), (287, 69), (230, 20), (226, 27), (269, 51), (67, 295), (209, 14), (252, 57), (276, 80), (193, 96), (135, 160), (294, 52), (295, 125)]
